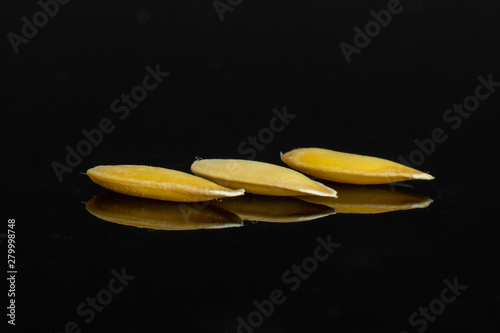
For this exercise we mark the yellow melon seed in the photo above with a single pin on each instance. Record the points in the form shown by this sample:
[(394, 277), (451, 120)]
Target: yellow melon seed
[(263, 208), (370, 199), (349, 168), (160, 215), (158, 183), (259, 178)]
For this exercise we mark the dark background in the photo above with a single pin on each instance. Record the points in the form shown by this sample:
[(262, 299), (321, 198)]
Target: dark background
[(225, 79)]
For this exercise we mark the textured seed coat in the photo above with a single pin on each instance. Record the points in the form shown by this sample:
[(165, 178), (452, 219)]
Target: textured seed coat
[(259, 178), (349, 168), (158, 183)]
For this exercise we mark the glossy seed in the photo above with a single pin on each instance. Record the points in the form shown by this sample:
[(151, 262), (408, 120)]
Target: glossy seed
[(349, 168), (158, 183), (371, 199), (160, 215), (259, 178), (263, 208)]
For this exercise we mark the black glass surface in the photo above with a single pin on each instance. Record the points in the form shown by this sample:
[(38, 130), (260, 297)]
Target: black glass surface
[(164, 83)]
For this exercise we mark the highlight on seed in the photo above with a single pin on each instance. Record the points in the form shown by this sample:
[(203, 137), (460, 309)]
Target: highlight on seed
[(158, 214), (259, 178), (349, 168), (158, 183)]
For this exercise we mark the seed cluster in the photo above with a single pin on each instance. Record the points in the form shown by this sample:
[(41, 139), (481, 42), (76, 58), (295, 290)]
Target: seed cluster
[(221, 178), (221, 193)]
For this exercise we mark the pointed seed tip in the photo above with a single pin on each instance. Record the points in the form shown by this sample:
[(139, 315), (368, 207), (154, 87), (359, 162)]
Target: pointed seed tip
[(429, 176), (423, 176), (329, 194), (238, 192), (423, 204)]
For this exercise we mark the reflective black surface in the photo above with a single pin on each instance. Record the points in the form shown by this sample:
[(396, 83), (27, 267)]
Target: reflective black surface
[(269, 78)]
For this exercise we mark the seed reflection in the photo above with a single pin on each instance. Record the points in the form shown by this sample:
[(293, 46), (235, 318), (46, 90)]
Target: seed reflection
[(370, 199), (160, 215), (262, 208)]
